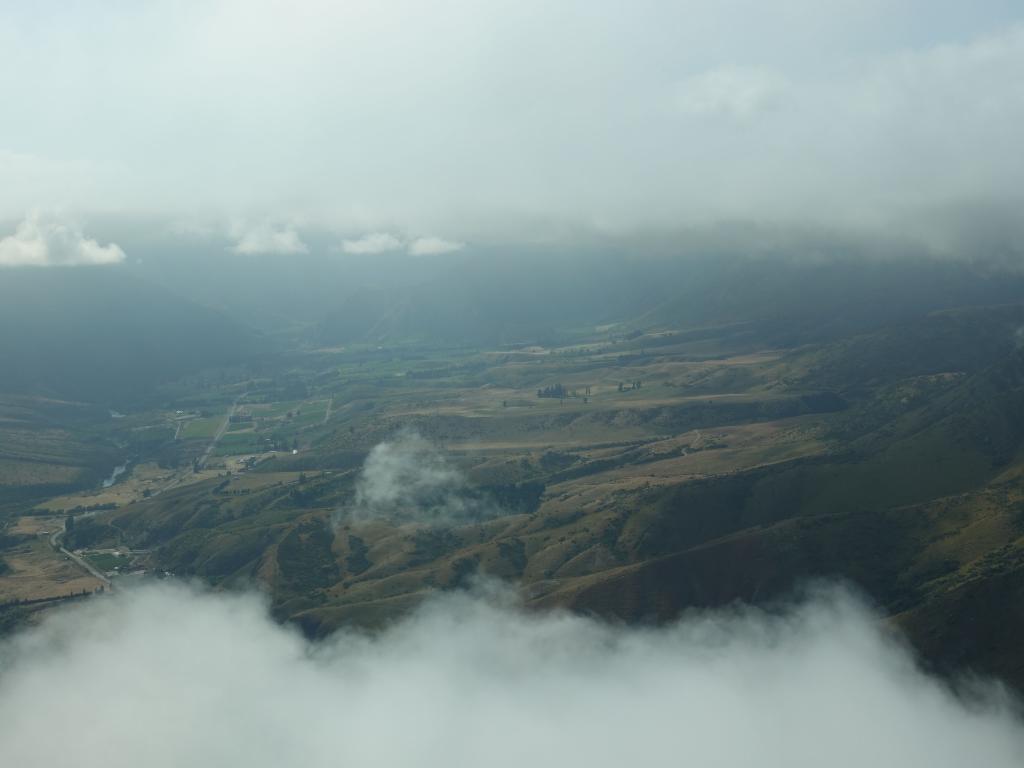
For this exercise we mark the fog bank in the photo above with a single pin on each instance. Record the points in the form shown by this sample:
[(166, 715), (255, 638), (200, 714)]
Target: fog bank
[(167, 676)]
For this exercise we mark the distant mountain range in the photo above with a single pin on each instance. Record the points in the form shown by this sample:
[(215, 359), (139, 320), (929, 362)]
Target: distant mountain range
[(107, 334), (102, 335), (532, 299)]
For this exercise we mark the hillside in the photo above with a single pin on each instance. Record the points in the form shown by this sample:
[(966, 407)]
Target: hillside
[(779, 302), (49, 447), (102, 336)]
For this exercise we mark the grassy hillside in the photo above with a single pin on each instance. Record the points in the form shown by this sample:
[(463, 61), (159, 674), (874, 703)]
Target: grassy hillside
[(49, 447)]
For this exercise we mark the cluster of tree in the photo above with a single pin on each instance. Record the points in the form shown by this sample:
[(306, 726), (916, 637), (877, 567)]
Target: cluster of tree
[(280, 442), (306, 559), (93, 508), (555, 390), (221, 489), (555, 460), (88, 532), (168, 456), (516, 498), (560, 392), (305, 495), (15, 601), (625, 387)]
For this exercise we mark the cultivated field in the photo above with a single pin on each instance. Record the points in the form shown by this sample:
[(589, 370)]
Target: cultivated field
[(37, 571)]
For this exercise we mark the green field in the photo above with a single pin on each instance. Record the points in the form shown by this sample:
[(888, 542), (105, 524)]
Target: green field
[(279, 410), (234, 443), (202, 428), (311, 413), (105, 562)]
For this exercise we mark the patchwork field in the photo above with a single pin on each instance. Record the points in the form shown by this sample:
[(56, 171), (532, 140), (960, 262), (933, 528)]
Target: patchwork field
[(35, 572)]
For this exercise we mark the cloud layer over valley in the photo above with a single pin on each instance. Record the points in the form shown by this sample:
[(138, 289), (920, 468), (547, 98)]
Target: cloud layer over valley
[(266, 238), (166, 676)]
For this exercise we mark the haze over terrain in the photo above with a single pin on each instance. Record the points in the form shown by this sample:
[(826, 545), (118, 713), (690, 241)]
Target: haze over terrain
[(579, 383)]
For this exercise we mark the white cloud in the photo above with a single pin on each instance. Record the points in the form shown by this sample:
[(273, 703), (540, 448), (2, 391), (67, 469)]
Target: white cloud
[(739, 92), (45, 241), (433, 246), (427, 118), (268, 238), (164, 676), (408, 479), (381, 242), (375, 242)]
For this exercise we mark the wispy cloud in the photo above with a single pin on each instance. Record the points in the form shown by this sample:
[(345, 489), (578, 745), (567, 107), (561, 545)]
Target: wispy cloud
[(46, 241), (408, 479), (433, 246), (375, 242), (267, 238), (383, 242)]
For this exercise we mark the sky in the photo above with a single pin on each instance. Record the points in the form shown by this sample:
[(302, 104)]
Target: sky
[(424, 126)]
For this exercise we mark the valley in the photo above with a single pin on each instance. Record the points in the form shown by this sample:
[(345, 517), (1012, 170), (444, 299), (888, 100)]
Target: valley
[(498, 384), (628, 474)]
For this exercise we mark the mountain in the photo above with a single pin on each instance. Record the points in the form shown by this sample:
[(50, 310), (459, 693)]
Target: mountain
[(783, 302), (101, 335)]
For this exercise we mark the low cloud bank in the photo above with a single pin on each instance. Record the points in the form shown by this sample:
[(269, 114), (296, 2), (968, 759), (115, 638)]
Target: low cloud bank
[(375, 242), (384, 242), (268, 239), (408, 479), (433, 246), (167, 676), (46, 241)]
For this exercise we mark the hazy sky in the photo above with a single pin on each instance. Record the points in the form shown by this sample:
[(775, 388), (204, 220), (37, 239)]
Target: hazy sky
[(455, 120)]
